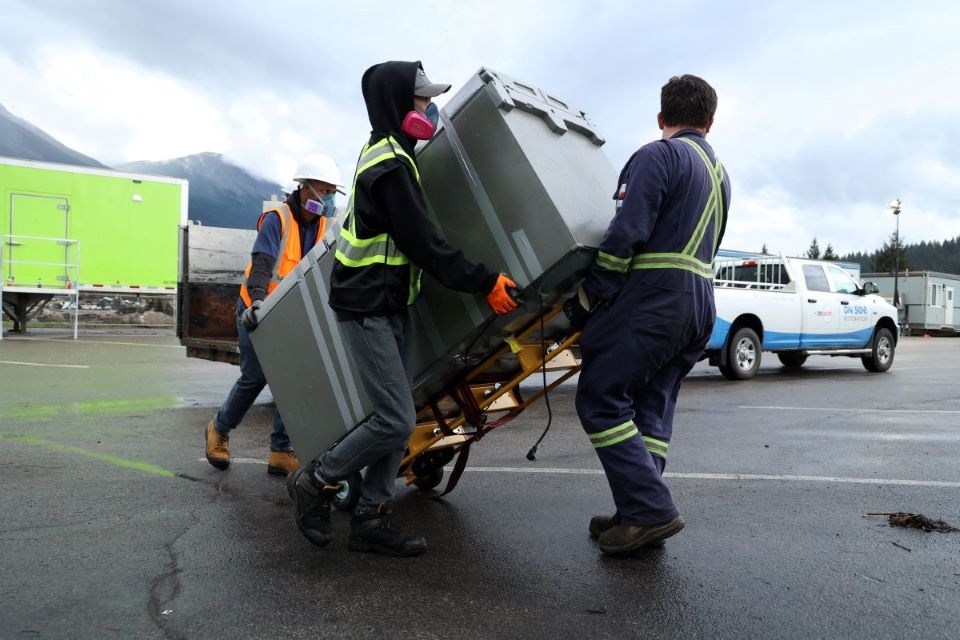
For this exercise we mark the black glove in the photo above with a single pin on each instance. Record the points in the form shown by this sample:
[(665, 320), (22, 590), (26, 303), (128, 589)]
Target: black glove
[(577, 309), (249, 317)]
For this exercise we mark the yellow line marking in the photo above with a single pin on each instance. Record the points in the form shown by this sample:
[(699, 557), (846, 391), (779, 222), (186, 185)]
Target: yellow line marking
[(145, 467)]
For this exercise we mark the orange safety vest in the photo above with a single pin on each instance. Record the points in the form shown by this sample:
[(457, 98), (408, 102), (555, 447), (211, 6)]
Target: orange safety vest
[(290, 250)]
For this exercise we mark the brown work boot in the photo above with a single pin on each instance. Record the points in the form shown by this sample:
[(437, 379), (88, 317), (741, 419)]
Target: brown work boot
[(599, 524), (624, 538), (218, 447), (281, 463)]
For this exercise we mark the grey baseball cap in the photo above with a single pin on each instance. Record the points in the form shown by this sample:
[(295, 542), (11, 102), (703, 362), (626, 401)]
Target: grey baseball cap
[(423, 88)]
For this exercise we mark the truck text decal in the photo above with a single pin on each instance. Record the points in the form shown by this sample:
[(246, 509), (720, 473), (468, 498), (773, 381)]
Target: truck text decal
[(853, 313)]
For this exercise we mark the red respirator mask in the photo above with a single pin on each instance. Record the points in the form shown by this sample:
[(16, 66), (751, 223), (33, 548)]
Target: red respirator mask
[(421, 126)]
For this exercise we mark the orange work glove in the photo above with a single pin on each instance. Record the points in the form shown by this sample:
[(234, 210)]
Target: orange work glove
[(499, 298)]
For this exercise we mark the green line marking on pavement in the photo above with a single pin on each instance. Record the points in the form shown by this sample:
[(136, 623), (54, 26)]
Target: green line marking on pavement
[(27, 411), (144, 467)]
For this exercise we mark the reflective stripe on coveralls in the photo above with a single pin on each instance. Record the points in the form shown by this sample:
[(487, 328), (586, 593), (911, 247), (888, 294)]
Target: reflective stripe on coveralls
[(290, 250), (626, 430), (381, 248), (686, 259), (611, 262)]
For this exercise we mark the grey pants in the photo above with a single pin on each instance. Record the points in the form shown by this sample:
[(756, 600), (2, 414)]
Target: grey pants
[(378, 345)]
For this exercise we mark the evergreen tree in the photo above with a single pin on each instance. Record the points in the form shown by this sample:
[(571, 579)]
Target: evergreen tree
[(814, 251), (885, 260), (763, 250), (829, 254), (942, 256)]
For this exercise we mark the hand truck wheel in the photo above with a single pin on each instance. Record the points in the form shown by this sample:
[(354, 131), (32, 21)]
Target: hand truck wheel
[(349, 495), (431, 481)]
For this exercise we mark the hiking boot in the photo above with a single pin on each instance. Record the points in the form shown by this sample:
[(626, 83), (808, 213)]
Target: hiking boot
[(623, 538), (218, 447), (372, 531), (282, 463), (311, 501), (599, 524)]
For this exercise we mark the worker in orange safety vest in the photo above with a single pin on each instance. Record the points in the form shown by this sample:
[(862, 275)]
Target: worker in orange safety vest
[(285, 234)]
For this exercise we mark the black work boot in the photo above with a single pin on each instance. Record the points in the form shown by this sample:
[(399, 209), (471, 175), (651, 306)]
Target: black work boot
[(372, 531), (311, 500), (624, 538)]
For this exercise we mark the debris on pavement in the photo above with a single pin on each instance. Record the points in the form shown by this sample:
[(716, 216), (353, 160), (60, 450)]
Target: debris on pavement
[(915, 521)]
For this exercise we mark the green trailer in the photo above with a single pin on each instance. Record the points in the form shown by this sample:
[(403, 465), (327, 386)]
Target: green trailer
[(65, 230)]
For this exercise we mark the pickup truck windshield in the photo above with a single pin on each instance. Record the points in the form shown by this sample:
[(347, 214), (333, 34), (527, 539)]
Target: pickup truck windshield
[(842, 282)]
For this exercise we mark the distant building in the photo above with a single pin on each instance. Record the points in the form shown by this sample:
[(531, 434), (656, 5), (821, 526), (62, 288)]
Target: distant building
[(928, 299)]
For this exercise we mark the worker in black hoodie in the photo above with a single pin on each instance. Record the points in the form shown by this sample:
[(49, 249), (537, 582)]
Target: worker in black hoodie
[(385, 242)]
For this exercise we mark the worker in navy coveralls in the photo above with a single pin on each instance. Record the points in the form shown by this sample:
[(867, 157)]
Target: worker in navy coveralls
[(648, 310)]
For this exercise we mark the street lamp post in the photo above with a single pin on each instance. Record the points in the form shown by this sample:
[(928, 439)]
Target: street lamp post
[(894, 207)]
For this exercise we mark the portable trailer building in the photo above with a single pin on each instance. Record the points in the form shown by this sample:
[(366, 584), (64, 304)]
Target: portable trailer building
[(65, 230), (928, 299)]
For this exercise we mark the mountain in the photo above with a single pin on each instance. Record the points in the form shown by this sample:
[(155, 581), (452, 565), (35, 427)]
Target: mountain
[(20, 139), (221, 193)]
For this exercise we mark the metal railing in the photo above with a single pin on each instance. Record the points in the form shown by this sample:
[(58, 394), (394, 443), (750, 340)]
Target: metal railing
[(763, 274)]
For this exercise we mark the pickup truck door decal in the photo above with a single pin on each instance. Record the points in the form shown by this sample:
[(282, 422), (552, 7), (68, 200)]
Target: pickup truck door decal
[(855, 321), (820, 310)]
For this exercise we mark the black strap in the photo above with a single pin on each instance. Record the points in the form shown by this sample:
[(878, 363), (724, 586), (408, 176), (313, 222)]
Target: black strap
[(472, 413), (458, 468), (438, 416)]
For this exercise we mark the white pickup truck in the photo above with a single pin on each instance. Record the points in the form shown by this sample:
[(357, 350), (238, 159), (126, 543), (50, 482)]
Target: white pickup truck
[(796, 308)]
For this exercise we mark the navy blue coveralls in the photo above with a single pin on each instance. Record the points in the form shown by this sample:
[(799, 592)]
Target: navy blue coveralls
[(653, 278)]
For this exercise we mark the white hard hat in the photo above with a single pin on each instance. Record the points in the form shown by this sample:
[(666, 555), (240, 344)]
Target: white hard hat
[(319, 167)]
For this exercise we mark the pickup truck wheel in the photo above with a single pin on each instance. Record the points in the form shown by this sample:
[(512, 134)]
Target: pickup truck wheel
[(881, 356), (792, 359), (743, 355)]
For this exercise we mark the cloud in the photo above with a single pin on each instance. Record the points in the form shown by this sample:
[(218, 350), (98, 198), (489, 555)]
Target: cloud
[(137, 113), (765, 216), (827, 110), (118, 112)]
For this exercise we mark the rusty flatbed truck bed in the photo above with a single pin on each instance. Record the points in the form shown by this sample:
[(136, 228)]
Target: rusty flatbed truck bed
[(212, 260)]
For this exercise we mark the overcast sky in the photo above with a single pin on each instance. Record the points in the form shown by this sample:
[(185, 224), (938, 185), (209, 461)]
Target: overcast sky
[(828, 109)]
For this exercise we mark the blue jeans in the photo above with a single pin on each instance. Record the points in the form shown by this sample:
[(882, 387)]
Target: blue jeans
[(379, 345), (245, 390)]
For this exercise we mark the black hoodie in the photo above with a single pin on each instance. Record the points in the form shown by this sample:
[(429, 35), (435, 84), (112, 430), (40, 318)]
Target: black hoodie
[(388, 198)]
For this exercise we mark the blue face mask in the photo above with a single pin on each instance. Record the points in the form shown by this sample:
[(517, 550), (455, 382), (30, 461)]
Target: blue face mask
[(325, 206), (329, 206), (433, 114)]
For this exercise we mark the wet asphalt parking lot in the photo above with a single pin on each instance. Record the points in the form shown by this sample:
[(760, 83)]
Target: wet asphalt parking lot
[(112, 525)]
